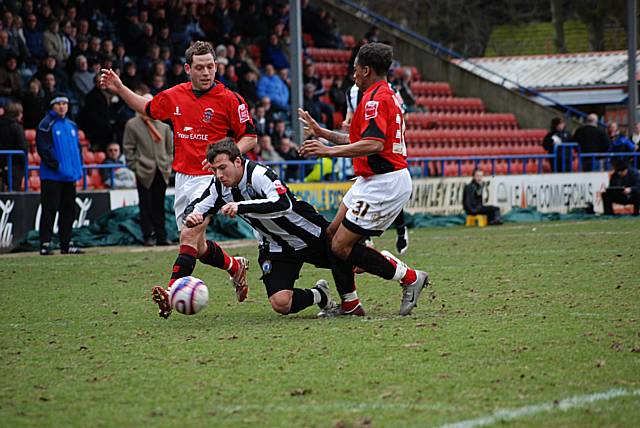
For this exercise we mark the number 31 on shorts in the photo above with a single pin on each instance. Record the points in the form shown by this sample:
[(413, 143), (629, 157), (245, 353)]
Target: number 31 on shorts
[(360, 208)]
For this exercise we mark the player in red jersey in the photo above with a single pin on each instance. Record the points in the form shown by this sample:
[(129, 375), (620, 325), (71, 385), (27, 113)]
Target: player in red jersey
[(383, 187), (202, 111)]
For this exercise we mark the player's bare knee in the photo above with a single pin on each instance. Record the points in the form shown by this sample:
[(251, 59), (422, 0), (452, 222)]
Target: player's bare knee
[(191, 235), (281, 302)]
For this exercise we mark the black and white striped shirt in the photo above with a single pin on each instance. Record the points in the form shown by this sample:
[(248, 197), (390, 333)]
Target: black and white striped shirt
[(277, 217)]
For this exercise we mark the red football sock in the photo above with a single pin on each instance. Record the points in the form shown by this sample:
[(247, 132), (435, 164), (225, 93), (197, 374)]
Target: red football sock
[(184, 264), (410, 277)]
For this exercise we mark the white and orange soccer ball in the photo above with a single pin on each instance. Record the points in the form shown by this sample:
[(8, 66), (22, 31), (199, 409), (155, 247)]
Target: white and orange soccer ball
[(189, 295)]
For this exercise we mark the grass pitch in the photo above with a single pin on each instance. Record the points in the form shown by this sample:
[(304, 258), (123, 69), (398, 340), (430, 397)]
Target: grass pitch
[(521, 315)]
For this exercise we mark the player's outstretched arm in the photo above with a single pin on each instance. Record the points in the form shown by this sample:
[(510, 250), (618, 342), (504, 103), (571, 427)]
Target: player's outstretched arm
[(311, 127), (110, 81), (314, 148), (246, 143)]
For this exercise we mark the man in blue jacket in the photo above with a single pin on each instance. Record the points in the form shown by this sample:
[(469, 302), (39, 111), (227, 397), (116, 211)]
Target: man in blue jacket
[(58, 146)]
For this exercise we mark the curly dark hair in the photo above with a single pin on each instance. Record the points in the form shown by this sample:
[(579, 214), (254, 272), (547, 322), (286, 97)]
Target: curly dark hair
[(378, 56), (199, 48)]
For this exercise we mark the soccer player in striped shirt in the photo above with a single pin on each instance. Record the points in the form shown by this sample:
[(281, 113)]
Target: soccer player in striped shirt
[(290, 232)]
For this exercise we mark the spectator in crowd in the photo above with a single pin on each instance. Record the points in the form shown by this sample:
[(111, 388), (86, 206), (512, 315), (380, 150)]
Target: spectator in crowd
[(221, 55), (403, 87), (558, 134), (271, 85), (58, 146), (278, 133), (81, 48), (289, 152), (247, 86), (472, 200), (121, 57), (93, 53), (592, 139), (145, 62), (230, 78), (50, 65), (12, 138), (53, 42), (130, 77), (317, 108), (148, 148), (16, 37), (69, 32), (619, 142), (337, 95), (33, 39), (95, 117), (274, 53), (326, 34), (50, 87), (260, 121), (5, 47), (309, 76), (34, 104), (84, 30), (123, 178), (10, 81), (624, 187), (83, 80), (284, 75), (268, 153), (635, 137), (176, 74), (164, 39), (157, 84), (244, 62)]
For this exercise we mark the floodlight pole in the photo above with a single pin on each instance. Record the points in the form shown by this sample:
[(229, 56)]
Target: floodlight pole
[(632, 29), (295, 32)]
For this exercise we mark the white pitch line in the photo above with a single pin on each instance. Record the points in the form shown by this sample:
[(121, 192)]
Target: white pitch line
[(563, 405)]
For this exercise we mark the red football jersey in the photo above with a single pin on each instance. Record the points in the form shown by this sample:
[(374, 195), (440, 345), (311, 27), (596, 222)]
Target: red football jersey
[(379, 117), (200, 121)]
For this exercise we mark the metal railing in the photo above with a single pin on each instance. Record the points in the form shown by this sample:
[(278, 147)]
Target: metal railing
[(562, 160), (10, 154), (441, 50)]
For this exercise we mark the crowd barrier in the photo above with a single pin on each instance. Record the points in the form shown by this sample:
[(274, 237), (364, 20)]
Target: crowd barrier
[(566, 158)]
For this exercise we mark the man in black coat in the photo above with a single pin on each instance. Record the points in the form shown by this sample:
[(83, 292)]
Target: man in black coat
[(472, 200), (624, 187), (12, 138), (592, 139)]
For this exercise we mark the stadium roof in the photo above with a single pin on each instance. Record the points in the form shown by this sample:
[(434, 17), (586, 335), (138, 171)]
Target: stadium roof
[(552, 72)]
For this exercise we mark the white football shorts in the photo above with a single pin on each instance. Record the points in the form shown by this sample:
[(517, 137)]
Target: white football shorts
[(374, 202), (188, 188)]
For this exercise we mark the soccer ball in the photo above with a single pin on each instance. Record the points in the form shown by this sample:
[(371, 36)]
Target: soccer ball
[(189, 295)]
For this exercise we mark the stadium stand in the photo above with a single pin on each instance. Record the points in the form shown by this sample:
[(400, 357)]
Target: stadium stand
[(442, 125)]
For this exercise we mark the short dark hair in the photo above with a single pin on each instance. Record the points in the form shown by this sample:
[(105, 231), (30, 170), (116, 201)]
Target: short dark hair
[(225, 146), (555, 122), (378, 56), (199, 48)]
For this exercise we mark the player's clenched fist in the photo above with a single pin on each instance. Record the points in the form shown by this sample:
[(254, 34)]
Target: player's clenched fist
[(230, 209), (110, 80), (313, 148), (194, 219)]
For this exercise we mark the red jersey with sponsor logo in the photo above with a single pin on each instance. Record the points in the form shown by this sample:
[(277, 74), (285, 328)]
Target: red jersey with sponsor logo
[(200, 121), (379, 117)]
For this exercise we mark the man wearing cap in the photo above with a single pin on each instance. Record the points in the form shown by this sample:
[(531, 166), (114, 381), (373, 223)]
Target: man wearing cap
[(58, 146)]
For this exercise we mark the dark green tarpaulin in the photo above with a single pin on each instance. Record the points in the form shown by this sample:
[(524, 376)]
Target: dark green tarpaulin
[(121, 226)]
